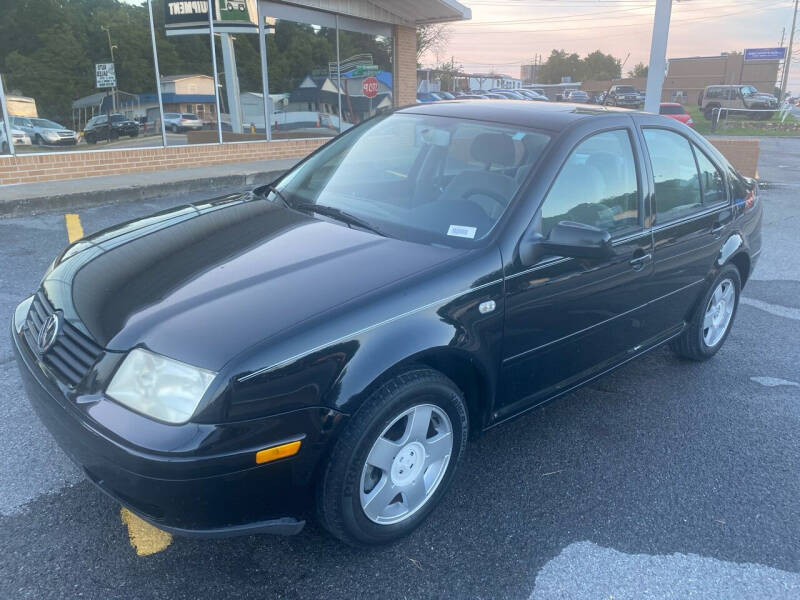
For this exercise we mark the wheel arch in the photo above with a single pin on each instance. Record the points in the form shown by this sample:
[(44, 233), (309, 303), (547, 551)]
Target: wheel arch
[(465, 371)]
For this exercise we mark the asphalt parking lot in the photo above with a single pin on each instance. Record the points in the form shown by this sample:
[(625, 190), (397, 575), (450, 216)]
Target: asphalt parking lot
[(666, 479)]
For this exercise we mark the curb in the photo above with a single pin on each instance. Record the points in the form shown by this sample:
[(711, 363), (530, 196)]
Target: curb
[(57, 203)]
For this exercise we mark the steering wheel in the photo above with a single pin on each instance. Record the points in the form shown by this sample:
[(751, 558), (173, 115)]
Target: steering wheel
[(498, 198)]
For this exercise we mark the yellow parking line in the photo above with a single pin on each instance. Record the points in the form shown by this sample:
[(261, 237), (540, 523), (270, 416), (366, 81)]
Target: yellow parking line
[(74, 227), (145, 538)]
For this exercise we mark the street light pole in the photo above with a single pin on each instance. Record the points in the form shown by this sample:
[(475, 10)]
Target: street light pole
[(787, 63), (658, 56)]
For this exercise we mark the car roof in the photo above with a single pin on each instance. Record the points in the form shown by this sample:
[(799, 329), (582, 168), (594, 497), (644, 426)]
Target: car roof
[(671, 104), (551, 116)]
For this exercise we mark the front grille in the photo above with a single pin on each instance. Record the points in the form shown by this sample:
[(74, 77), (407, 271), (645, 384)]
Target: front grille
[(72, 354)]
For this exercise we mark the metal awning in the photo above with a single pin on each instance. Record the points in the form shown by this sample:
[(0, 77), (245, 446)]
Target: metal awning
[(395, 12)]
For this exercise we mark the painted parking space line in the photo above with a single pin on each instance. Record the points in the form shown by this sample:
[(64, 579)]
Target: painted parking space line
[(74, 227), (144, 538)]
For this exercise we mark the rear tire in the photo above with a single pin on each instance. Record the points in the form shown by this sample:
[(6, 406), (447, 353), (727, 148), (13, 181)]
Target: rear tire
[(415, 428), (713, 318)]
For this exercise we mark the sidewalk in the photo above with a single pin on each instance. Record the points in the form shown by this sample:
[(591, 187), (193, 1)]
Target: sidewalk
[(54, 196)]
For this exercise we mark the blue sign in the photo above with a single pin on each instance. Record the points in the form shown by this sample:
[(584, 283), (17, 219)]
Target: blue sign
[(765, 54)]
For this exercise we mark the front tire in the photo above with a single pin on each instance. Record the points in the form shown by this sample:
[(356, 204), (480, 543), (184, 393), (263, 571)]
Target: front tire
[(713, 318), (395, 460)]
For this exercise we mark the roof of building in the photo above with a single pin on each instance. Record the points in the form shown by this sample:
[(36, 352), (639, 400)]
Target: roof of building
[(169, 78), (553, 116), (398, 12)]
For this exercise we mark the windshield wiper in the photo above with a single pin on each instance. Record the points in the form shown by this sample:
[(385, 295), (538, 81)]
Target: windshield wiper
[(278, 193), (338, 214)]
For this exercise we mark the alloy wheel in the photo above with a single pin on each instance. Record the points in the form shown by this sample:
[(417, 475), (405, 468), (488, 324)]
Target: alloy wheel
[(406, 464), (719, 312)]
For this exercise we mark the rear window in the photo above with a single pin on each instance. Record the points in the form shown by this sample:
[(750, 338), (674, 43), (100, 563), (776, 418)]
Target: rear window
[(117, 118), (672, 110), (189, 117)]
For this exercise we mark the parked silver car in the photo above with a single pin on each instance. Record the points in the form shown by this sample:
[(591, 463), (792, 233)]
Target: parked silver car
[(44, 131), (180, 122)]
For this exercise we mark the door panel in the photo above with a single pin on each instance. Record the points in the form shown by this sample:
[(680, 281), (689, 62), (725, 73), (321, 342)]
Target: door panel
[(568, 318), (692, 214)]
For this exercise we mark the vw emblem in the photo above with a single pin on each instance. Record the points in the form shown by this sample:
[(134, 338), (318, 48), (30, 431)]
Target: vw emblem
[(48, 333)]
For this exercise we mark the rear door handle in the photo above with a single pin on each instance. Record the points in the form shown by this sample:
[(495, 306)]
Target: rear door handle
[(639, 262)]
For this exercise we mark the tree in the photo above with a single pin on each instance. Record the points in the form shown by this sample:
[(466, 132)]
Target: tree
[(639, 70), (431, 38), (448, 72), (600, 67), (559, 65)]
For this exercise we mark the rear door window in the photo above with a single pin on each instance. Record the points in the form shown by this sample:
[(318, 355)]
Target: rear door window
[(675, 174)]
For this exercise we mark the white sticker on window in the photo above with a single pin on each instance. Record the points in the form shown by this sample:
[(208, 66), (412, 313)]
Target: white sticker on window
[(462, 231)]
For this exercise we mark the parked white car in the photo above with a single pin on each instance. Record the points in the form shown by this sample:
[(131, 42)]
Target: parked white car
[(180, 122), (20, 139)]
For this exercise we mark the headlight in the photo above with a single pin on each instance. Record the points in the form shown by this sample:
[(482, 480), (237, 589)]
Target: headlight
[(159, 387)]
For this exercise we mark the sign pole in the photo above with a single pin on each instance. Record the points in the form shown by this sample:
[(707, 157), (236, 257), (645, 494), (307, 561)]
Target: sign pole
[(658, 56), (158, 75), (6, 123), (788, 61), (214, 64), (262, 43)]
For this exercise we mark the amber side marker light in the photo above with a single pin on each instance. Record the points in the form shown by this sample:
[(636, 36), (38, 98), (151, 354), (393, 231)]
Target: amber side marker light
[(269, 454)]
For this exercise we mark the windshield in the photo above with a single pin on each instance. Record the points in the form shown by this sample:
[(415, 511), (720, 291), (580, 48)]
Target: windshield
[(672, 110), (47, 124), (749, 90), (421, 178), (626, 89)]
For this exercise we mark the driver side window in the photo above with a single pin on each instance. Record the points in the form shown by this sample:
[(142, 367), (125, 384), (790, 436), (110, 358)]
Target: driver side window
[(597, 186)]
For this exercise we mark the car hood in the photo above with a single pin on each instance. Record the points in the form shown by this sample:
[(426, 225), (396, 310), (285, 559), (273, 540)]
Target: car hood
[(202, 283)]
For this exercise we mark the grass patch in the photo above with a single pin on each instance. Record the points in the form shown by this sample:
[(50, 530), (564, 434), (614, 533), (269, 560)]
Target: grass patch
[(738, 126)]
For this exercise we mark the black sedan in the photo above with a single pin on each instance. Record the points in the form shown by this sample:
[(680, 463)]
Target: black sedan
[(109, 127), (326, 345)]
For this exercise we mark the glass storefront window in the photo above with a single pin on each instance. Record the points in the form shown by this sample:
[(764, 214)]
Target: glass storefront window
[(187, 85), (303, 91), (49, 66), (367, 75), (241, 92), (325, 73)]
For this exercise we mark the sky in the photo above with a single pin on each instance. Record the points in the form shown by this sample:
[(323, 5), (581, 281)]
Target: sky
[(503, 34)]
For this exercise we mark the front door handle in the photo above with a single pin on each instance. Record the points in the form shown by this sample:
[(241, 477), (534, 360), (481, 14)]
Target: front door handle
[(639, 262), (717, 227)]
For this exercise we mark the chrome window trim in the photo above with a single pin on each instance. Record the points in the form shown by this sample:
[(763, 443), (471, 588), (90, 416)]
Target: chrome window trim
[(719, 207), (358, 332)]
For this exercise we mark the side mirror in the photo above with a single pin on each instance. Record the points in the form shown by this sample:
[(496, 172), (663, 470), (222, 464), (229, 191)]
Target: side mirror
[(569, 239)]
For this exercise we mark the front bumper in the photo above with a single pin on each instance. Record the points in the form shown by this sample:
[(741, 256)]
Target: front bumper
[(214, 489)]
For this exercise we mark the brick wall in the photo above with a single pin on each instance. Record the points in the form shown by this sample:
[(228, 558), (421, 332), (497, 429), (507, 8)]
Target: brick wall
[(70, 165), (405, 65)]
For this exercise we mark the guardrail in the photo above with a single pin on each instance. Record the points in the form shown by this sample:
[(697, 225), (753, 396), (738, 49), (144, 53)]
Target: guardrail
[(719, 115)]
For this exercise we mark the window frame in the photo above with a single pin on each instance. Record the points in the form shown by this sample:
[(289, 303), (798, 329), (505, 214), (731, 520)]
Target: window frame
[(694, 146), (643, 214)]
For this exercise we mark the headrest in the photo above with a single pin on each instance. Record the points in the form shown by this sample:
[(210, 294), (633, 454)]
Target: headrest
[(494, 148)]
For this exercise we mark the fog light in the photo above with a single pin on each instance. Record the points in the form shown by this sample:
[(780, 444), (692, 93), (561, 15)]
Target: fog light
[(269, 454)]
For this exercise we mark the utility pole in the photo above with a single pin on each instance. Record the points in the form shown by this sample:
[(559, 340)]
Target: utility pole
[(111, 51), (658, 56), (788, 60)]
